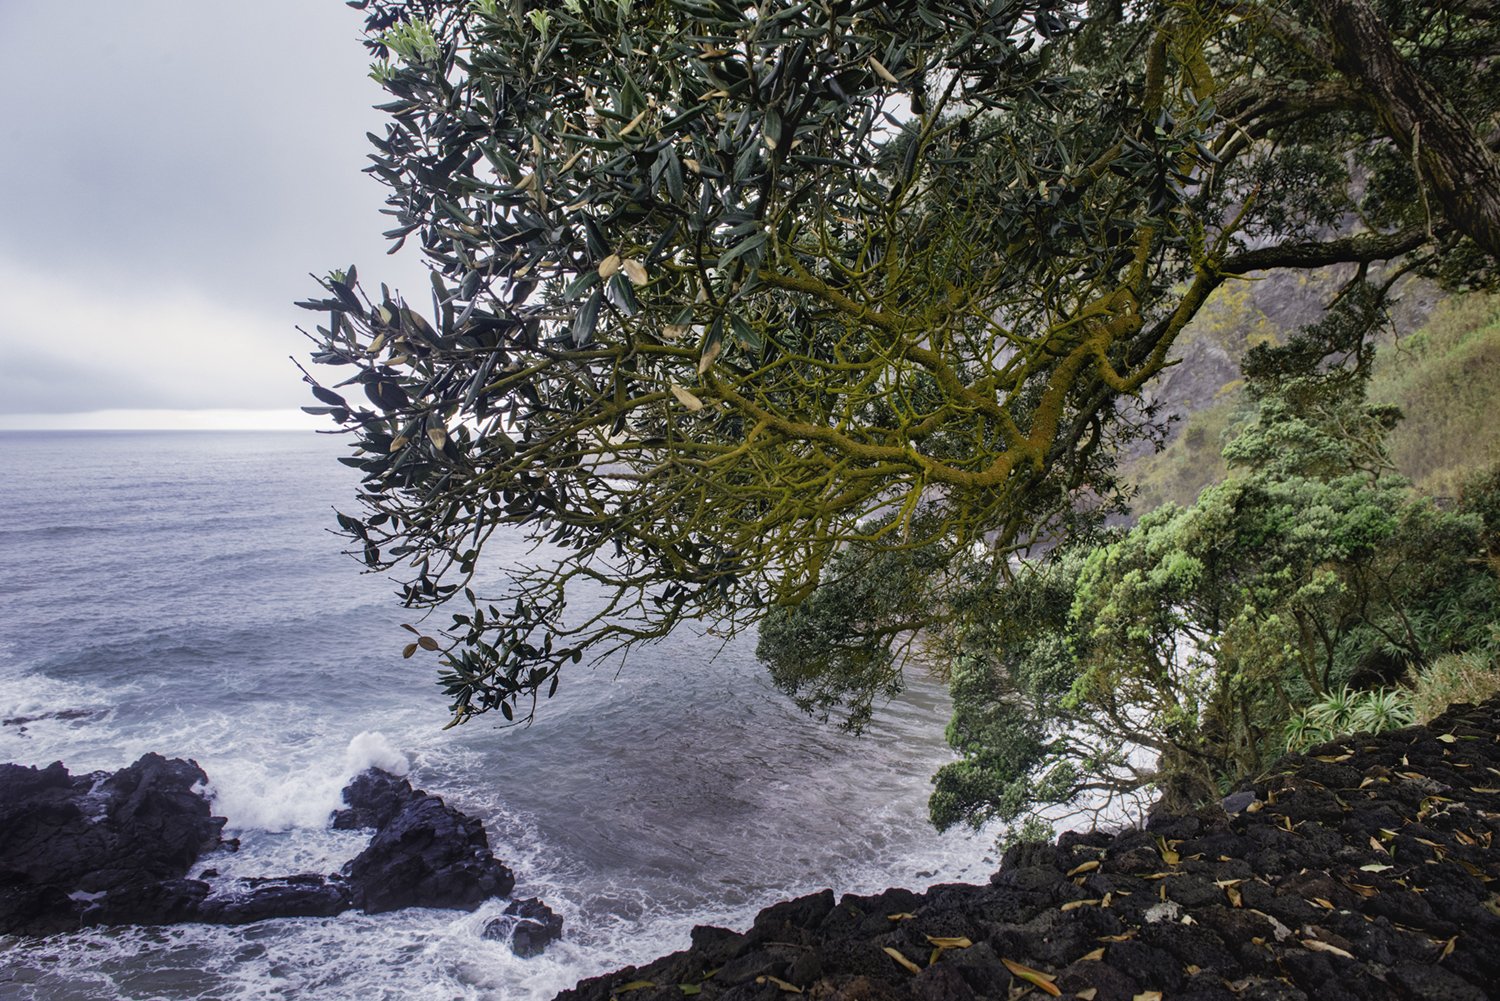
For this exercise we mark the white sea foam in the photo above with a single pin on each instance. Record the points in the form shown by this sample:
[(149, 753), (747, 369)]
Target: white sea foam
[(258, 795)]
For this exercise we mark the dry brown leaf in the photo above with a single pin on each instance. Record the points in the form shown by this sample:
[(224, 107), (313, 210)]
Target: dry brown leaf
[(1448, 947), (882, 72), (1073, 905), (1118, 938), (1088, 866), (902, 916), (1168, 853), (1316, 946), (895, 954), (1088, 993), (789, 988), (1147, 996), (1092, 957), (710, 353), (686, 398), (1193, 970), (1037, 977), (1375, 844), (634, 270), (609, 265), (1235, 898), (1327, 905), (949, 942)]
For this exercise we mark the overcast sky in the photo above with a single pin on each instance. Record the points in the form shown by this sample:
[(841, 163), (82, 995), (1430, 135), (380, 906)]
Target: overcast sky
[(170, 172)]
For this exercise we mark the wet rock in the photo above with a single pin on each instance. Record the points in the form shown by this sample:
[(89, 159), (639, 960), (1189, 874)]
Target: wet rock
[(258, 899), (66, 839), (429, 855), (374, 797), (529, 924)]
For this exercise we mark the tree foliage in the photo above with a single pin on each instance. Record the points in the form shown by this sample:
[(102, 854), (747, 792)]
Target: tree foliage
[(722, 290), (1175, 657)]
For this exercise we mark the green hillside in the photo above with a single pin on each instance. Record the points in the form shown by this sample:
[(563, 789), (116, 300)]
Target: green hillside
[(1445, 377)]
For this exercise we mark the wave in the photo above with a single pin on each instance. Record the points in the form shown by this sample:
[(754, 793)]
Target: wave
[(258, 796)]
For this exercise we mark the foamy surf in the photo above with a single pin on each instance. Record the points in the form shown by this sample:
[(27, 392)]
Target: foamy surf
[(260, 795)]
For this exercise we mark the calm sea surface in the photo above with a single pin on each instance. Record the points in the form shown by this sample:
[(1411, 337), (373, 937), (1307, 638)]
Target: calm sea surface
[(179, 592)]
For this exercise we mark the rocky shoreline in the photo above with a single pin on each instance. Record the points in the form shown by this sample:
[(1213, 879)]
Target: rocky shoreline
[(116, 848), (1365, 869)]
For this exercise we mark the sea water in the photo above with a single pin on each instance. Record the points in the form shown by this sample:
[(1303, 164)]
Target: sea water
[(181, 592)]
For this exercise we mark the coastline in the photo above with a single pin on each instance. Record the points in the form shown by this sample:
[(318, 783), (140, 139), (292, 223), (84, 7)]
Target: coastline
[(1358, 870)]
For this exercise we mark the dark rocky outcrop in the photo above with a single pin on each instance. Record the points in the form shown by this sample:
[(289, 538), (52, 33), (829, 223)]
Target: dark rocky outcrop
[(117, 849), (1364, 870), (374, 798), (530, 925), (67, 840), (428, 855)]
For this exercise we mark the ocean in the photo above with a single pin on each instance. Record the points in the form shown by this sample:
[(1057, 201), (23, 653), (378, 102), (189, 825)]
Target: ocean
[(181, 592)]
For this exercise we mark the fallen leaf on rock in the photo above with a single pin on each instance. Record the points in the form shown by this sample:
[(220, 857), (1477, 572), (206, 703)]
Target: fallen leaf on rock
[(1316, 946), (789, 988), (689, 990), (1118, 938), (949, 942), (1088, 993), (635, 985), (1147, 996), (1193, 969), (1073, 905), (1447, 738), (1092, 957), (1327, 905), (1088, 866), (1235, 898), (1034, 977), (903, 916), (1375, 844), (1448, 947), (1374, 867), (896, 954)]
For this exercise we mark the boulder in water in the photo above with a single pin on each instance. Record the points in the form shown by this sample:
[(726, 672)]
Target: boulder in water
[(529, 924), (429, 855)]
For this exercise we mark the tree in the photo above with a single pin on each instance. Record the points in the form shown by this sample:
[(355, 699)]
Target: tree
[(721, 291), (1173, 658)]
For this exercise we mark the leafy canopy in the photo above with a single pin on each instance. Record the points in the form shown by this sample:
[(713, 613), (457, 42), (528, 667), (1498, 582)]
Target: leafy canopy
[(721, 290)]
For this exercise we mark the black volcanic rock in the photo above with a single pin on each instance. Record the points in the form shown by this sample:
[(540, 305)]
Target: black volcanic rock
[(1364, 870), (529, 924), (116, 849), (374, 797), (429, 855), (65, 839)]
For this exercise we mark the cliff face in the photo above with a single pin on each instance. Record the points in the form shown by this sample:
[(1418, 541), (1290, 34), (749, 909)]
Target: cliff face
[(1366, 869)]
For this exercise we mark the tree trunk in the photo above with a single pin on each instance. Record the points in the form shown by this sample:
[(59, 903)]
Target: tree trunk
[(1455, 167)]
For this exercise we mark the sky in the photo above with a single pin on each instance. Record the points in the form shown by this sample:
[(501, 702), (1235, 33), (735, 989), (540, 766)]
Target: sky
[(171, 172)]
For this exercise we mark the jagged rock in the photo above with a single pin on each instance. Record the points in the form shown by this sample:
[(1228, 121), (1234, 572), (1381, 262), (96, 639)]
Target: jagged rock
[(116, 849), (429, 855), (375, 797), (66, 839), (529, 924)]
